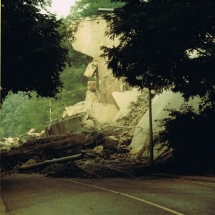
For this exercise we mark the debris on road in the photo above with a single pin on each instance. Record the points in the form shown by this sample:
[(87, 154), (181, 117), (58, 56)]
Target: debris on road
[(104, 149), (92, 154)]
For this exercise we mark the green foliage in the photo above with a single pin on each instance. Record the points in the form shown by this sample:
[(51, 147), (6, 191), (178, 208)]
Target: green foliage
[(74, 82), (155, 37), (74, 90), (20, 113), (84, 8), (32, 53), (191, 135)]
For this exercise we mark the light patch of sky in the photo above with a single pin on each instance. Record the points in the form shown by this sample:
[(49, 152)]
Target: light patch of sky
[(61, 7)]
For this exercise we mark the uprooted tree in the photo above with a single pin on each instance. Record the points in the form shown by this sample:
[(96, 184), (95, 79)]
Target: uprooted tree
[(168, 45), (32, 53)]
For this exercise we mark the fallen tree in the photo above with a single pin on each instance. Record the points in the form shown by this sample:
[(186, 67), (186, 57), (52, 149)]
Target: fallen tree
[(63, 159)]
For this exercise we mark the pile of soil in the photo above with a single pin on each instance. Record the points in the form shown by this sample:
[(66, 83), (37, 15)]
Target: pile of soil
[(112, 160), (41, 149)]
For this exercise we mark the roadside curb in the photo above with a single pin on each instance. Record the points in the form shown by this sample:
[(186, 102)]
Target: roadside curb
[(2, 207), (192, 178), (199, 178)]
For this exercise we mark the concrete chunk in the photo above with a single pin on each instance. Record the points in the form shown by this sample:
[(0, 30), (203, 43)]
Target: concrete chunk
[(75, 109), (91, 68), (104, 113), (166, 100), (124, 99), (90, 36)]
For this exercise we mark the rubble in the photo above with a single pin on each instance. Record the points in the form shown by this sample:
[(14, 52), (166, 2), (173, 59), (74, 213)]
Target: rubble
[(10, 142), (160, 102), (104, 146), (98, 156), (32, 132), (89, 35), (103, 128), (106, 149)]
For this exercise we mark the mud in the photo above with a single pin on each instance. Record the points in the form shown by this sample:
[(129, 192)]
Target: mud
[(111, 160)]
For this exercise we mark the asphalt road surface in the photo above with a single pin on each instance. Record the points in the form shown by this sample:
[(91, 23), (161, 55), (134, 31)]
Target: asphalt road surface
[(38, 195)]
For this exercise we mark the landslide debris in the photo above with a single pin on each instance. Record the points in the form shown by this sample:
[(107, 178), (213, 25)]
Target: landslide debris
[(104, 149), (102, 156)]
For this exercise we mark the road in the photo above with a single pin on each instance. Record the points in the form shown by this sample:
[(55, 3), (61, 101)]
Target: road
[(35, 194)]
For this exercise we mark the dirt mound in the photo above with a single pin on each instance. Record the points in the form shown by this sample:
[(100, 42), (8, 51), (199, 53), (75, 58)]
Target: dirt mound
[(96, 156), (42, 149)]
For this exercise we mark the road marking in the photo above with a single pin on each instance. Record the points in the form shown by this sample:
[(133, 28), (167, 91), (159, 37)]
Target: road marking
[(129, 196)]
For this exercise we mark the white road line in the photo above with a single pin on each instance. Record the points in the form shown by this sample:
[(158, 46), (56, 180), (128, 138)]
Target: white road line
[(129, 196)]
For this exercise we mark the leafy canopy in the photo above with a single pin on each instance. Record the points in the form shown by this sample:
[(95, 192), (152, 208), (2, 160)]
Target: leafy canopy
[(191, 135), (170, 44), (157, 38), (19, 113), (84, 8), (32, 52)]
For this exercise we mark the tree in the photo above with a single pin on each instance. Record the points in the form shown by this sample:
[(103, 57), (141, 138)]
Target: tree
[(170, 45), (191, 135), (84, 8), (32, 53), (19, 114), (157, 38)]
